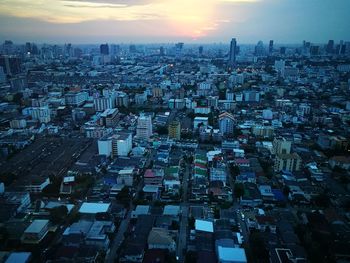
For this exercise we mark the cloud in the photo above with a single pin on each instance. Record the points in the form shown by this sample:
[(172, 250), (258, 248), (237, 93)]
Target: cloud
[(96, 6), (111, 2)]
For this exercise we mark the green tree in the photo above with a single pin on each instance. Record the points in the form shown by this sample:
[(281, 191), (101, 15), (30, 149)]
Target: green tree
[(124, 196), (191, 222), (238, 190), (58, 214)]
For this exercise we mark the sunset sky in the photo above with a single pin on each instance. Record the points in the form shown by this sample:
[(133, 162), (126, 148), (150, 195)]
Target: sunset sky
[(197, 21)]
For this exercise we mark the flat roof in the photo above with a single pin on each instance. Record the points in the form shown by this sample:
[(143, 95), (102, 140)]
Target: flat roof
[(18, 257), (93, 208), (36, 226), (230, 254), (148, 188), (171, 210), (204, 225)]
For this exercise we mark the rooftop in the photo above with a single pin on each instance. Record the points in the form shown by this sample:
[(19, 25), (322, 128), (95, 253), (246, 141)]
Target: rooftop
[(204, 225), (36, 226), (94, 208)]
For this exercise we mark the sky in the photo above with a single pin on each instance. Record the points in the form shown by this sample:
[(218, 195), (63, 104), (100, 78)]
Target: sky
[(195, 21)]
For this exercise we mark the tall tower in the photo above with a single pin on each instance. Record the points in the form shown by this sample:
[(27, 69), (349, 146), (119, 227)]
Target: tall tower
[(271, 47), (233, 49)]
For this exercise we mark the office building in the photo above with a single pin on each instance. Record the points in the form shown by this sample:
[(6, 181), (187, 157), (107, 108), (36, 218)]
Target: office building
[(144, 127), (2, 75), (271, 47), (104, 49), (233, 50), (259, 49), (10, 64), (330, 47)]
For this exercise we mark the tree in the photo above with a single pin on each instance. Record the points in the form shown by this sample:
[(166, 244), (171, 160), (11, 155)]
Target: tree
[(58, 214), (322, 200), (286, 191), (174, 225), (216, 213), (124, 196), (238, 190), (17, 98), (191, 222), (234, 170), (162, 130)]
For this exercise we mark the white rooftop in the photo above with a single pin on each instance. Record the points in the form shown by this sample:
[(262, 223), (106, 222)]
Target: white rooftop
[(230, 254), (204, 225), (94, 208)]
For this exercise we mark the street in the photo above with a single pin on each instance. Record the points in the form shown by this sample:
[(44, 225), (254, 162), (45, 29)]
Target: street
[(182, 238)]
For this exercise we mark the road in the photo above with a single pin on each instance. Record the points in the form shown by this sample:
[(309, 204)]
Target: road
[(182, 238), (118, 240)]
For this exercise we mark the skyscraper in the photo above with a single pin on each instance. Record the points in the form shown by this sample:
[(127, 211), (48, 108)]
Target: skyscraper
[(330, 47), (233, 49), (271, 47), (10, 64), (104, 49)]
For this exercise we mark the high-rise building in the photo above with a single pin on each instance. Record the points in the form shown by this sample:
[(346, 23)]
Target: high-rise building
[(233, 50), (287, 162), (104, 103), (161, 51), (283, 50), (8, 47), (115, 49), (118, 144), (104, 49), (314, 50), (144, 127), (281, 146), (330, 47), (10, 64), (121, 144), (271, 47), (200, 50), (174, 130), (226, 123), (2, 75), (259, 49)]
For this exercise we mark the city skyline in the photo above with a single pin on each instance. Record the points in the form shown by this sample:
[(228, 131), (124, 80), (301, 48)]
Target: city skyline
[(152, 21)]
